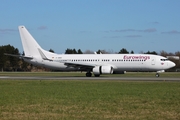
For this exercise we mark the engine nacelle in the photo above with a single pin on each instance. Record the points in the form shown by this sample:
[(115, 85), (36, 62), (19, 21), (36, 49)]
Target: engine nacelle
[(102, 70)]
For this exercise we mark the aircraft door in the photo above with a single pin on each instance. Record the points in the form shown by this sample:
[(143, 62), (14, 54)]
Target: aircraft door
[(153, 61)]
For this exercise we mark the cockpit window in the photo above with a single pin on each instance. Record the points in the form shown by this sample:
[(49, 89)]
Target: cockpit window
[(164, 60)]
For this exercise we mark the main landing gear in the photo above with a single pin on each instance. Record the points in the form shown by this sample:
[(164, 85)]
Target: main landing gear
[(88, 74)]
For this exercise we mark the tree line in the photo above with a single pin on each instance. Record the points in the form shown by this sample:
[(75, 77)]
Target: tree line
[(9, 63)]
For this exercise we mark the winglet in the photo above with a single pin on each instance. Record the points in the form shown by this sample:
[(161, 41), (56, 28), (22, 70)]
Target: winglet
[(43, 56)]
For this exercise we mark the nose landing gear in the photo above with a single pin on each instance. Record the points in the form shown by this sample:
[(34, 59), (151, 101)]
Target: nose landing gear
[(157, 75)]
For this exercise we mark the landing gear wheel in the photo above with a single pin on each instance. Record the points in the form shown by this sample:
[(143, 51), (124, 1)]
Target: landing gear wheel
[(88, 74), (157, 75), (97, 75)]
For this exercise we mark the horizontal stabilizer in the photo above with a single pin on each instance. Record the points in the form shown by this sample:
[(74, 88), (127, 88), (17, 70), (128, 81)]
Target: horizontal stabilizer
[(19, 56)]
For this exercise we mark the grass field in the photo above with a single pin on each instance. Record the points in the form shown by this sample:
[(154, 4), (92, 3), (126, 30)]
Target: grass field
[(88, 99)]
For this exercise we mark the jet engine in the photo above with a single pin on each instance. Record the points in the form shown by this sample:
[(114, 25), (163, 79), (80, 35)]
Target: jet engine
[(102, 70)]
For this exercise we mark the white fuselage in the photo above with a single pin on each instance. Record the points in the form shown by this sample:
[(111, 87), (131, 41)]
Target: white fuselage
[(119, 62)]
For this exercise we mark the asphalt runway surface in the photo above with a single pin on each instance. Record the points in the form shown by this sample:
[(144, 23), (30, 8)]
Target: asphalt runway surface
[(92, 78)]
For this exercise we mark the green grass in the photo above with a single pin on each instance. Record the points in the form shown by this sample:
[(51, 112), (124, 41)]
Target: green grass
[(99, 100)]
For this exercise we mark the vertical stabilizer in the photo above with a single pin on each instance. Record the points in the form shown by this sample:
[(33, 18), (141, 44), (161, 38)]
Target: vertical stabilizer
[(29, 44)]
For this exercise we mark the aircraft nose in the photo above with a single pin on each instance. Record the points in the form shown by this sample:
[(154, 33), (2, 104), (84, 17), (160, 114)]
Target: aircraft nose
[(172, 64)]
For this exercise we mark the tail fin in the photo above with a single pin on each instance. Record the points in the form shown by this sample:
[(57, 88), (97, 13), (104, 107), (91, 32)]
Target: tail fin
[(29, 44)]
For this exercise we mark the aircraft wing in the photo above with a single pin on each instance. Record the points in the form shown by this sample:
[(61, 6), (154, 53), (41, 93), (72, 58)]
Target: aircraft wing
[(79, 65)]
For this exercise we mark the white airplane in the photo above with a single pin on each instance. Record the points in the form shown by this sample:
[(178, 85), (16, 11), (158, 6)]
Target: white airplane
[(91, 63)]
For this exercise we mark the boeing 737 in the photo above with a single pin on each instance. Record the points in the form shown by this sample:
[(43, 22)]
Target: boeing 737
[(91, 63)]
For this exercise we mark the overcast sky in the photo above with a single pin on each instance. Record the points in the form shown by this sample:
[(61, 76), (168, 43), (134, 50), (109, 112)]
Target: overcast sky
[(138, 25)]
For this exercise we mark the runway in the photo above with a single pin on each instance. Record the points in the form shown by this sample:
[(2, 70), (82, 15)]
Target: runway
[(91, 78)]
